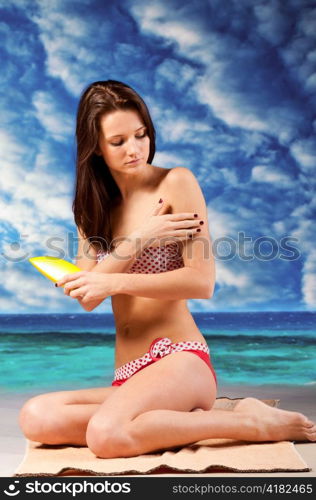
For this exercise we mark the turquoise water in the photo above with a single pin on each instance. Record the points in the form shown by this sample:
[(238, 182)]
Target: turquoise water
[(58, 352)]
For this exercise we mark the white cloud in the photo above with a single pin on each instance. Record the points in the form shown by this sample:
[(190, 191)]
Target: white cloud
[(35, 202), (299, 53), (37, 197), (305, 233), (309, 280), (172, 70), (307, 22), (28, 289), (33, 291), (14, 41), (168, 160), (11, 161), (230, 176), (78, 45), (221, 87), (58, 123), (279, 227), (264, 173), (181, 129), (304, 151), (228, 106), (228, 277), (272, 24), (220, 224), (245, 283), (157, 18), (311, 82)]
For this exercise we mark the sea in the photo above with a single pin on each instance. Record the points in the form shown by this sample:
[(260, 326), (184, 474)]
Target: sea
[(51, 352)]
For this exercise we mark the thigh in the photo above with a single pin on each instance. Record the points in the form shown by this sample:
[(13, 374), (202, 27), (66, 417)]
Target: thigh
[(94, 395), (180, 381)]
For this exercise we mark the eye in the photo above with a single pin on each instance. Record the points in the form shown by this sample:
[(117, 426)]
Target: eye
[(141, 136)]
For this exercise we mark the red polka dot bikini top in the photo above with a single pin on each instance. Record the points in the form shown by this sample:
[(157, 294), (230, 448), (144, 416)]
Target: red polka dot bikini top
[(154, 259)]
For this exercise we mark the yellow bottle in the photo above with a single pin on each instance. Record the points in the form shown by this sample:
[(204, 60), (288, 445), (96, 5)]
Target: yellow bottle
[(53, 268)]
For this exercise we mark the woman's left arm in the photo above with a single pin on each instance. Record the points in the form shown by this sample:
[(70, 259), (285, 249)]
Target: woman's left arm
[(184, 283), (195, 280)]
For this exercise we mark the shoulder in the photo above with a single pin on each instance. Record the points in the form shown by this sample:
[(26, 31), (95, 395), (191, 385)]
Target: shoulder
[(183, 179), (183, 191), (169, 178), (177, 174)]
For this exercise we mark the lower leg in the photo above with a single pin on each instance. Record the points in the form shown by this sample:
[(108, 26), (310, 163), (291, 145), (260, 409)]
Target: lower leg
[(251, 421), (161, 429)]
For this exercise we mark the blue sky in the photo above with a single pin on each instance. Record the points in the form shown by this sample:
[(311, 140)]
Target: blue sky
[(231, 89)]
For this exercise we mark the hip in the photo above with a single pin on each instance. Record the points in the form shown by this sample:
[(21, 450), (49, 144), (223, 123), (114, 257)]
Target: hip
[(132, 343), (159, 348)]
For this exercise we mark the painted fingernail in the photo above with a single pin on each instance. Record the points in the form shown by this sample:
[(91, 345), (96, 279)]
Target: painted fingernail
[(195, 215), (161, 200), (190, 236), (198, 230), (201, 222)]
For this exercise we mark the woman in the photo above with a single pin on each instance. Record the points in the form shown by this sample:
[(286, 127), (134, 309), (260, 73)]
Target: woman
[(144, 242)]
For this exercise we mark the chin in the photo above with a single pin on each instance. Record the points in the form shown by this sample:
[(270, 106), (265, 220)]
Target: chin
[(137, 166)]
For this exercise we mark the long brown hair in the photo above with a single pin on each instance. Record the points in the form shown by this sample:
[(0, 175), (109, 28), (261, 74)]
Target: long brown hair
[(96, 191)]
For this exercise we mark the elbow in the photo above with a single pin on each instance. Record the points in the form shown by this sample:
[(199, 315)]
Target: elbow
[(207, 289), (204, 286), (87, 307)]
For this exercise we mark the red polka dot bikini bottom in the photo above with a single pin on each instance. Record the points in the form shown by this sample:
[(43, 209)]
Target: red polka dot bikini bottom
[(160, 348)]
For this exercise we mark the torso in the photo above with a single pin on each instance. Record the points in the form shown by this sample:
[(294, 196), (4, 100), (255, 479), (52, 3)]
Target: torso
[(140, 320)]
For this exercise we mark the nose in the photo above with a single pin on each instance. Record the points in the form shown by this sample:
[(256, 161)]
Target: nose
[(132, 148)]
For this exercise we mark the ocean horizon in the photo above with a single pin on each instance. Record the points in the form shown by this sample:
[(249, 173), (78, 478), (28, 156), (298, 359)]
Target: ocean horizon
[(45, 352)]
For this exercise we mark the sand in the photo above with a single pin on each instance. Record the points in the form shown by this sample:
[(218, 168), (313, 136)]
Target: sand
[(303, 399)]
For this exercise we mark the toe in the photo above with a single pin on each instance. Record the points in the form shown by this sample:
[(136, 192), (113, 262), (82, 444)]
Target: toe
[(311, 433), (309, 424)]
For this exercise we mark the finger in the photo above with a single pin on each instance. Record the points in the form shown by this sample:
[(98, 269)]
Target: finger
[(78, 292), (69, 277), (184, 234), (71, 285), (190, 234), (183, 216), (186, 224), (158, 207)]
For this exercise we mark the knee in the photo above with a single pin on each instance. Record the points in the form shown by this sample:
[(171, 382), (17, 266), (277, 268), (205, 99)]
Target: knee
[(107, 439), (35, 418)]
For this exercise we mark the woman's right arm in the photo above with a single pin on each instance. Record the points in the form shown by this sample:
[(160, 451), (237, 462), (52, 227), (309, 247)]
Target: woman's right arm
[(156, 227), (118, 261), (125, 252)]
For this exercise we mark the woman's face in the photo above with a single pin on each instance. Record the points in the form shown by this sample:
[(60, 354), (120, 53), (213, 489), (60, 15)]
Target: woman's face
[(123, 142)]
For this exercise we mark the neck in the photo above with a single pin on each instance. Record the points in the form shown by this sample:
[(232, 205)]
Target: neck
[(132, 184)]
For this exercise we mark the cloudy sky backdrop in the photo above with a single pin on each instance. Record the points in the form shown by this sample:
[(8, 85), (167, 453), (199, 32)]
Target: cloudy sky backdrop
[(231, 88)]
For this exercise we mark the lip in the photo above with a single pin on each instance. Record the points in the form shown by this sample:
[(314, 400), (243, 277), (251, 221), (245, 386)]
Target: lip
[(133, 161)]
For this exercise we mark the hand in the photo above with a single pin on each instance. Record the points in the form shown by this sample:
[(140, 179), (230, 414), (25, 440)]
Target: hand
[(166, 227), (87, 286)]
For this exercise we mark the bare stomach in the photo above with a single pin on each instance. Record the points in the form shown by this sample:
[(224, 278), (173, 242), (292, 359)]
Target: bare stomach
[(140, 320)]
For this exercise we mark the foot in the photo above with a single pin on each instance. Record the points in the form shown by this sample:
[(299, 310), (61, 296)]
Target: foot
[(273, 424)]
